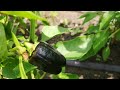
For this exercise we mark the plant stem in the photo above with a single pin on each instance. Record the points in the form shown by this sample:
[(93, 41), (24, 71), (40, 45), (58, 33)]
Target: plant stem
[(15, 39), (43, 75), (6, 19), (21, 68), (112, 35), (0, 72), (15, 28), (32, 31), (11, 53), (32, 75)]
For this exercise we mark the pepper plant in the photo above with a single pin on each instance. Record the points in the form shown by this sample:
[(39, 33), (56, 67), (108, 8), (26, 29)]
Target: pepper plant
[(18, 41)]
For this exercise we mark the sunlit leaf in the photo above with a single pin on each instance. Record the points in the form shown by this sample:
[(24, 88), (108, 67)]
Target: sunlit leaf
[(25, 14), (68, 76), (50, 31), (88, 16), (2, 19), (75, 48), (89, 54), (100, 40), (3, 42), (106, 19)]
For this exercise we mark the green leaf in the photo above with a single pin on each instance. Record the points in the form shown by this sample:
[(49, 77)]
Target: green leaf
[(27, 67), (22, 23), (88, 16), (11, 68), (117, 16), (2, 17), (92, 29), (50, 31), (25, 14), (106, 19), (68, 76), (75, 48), (9, 64), (8, 29), (3, 43), (106, 53), (117, 35), (89, 54), (9, 44), (100, 40), (54, 76)]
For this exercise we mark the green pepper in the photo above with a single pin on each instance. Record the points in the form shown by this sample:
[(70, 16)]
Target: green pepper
[(48, 59)]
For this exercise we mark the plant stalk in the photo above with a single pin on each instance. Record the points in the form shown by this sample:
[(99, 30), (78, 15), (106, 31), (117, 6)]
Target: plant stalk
[(32, 31), (32, 75), (15, 39), (112, 35), (21, 68), (43, 75)]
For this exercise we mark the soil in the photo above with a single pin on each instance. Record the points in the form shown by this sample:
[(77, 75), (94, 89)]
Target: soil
[(73, 21)]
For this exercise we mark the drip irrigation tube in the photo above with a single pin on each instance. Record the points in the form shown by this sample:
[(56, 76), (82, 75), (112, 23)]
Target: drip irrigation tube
[(95, 66)]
